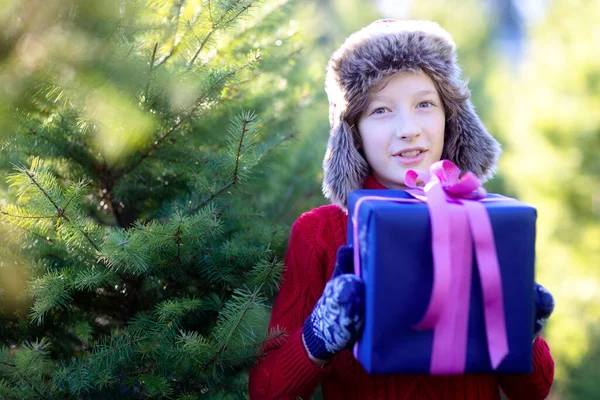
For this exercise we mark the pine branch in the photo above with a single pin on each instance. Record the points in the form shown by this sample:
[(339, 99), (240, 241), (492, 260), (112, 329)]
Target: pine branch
[(68, 148), (246, 7), (180, 120), (239, 150), (151, 69), (105, 351), (224, 345), (27, 216), (275, 146), (41, 189), (34, 389), (152, 148), (124, 58), (124, 220), (265, 272), (50, 242), (80, 374), (60, 211), (235, 179), (175, 44), (199, 49), (227, 76), (212, 196), (231, 6), (113, 30), (69, 201), (213, 30), (139, 371), (212, 260), (246, 307), (26, 381), (177, 240)]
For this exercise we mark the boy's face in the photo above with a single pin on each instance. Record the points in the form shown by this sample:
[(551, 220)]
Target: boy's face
[(402, 127)]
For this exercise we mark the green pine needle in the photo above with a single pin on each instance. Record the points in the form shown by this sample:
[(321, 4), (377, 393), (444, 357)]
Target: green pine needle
[(172, 309)]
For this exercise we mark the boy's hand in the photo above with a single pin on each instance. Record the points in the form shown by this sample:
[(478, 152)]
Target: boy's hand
[(337, 319), (544, 305), (344, 261)]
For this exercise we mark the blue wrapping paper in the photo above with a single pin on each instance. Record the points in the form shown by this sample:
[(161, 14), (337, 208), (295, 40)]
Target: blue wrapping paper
[(397, 266)]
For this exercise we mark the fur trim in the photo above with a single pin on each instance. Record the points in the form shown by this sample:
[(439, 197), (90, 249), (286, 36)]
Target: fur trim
[(343, 167), (468, 144), (380, 50)]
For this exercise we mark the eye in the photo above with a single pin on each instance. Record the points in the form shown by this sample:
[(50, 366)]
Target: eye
[(379, 110), (425, 104)]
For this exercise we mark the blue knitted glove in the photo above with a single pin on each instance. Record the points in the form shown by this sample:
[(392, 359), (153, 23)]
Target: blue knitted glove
[(544, 305), (337, 319), (344, 262)]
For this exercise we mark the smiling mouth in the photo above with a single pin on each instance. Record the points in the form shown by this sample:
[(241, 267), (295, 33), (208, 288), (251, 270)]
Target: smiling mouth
[(410, 153)]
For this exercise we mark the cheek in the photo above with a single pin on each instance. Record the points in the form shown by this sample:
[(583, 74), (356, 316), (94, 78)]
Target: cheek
[(437, 130), (373, 147), (372, 134), (364, 133)]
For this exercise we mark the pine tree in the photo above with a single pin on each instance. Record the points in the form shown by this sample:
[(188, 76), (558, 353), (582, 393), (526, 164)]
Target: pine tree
[(138, 247)]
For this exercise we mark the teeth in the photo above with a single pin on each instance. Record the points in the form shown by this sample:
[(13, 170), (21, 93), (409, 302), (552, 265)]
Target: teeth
[(410, 153)]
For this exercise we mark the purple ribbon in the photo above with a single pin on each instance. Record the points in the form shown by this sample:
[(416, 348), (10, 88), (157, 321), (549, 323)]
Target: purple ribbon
[(459, 221)]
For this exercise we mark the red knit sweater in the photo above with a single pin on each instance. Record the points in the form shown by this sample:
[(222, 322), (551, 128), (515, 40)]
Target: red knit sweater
[(286, 372)]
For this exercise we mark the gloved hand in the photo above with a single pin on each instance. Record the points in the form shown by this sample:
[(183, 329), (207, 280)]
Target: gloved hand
[(344, 262), (544, 305), (337, 319)]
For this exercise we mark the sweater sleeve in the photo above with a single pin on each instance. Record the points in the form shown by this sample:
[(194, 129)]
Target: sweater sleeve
[(535, 385), (284, 370)]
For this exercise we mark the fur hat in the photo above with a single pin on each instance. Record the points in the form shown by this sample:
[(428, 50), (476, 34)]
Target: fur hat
[(365, 59)]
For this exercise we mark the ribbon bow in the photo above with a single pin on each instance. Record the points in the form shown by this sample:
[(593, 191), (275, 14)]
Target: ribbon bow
[(459, 221)]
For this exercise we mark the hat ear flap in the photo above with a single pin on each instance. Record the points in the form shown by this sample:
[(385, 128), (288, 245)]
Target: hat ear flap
[(344, 168), (469, 145)]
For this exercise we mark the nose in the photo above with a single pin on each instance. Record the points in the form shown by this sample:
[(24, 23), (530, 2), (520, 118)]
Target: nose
[(407, 128)]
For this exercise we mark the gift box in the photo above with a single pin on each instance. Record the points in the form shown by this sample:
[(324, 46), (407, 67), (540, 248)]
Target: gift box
[(396, 261)]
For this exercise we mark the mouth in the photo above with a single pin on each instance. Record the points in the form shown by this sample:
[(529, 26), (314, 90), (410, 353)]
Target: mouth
[(410, 156)]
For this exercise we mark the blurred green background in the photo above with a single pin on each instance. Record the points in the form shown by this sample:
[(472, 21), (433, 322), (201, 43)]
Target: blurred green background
[(534, 70)]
